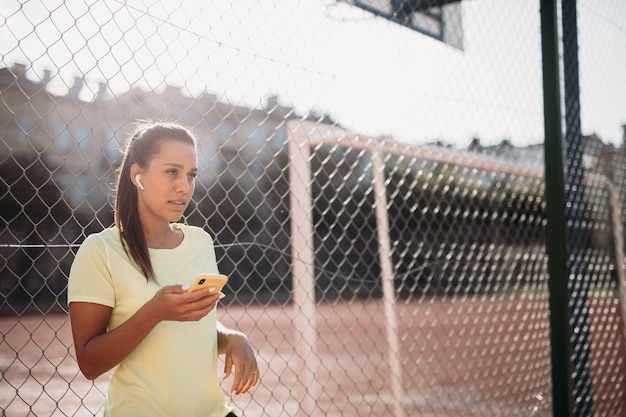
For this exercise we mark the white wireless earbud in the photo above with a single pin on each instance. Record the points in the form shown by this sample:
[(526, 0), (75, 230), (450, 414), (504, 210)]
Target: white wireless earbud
[(139, 184)]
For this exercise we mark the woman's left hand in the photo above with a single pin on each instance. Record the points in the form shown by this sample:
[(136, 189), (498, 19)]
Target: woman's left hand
[(239, 354)]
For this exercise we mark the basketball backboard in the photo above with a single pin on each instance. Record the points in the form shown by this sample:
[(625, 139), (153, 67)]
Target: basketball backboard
[(439, 19)]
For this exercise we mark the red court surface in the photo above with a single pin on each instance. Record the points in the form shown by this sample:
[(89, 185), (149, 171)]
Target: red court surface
[(480, 356)]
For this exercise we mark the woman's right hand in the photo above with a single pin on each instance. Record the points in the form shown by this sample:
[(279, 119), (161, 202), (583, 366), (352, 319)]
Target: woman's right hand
[(174, 303), (99, 349)]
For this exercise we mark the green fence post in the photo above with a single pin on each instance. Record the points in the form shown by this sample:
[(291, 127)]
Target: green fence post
[(577, 232), (560, 333)]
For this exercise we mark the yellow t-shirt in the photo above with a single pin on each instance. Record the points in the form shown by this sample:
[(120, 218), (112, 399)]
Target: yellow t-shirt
[(173, 372)]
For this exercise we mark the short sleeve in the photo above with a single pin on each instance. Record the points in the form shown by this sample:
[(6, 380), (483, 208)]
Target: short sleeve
[(90, 275)]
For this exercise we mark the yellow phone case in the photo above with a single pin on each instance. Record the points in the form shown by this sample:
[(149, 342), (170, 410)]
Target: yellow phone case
[(207, 281)]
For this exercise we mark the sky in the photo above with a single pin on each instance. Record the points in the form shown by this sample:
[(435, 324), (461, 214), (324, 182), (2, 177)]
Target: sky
[(372, 76)]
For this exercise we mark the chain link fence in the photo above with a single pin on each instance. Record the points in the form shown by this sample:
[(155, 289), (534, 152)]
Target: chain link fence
[(372, 174)]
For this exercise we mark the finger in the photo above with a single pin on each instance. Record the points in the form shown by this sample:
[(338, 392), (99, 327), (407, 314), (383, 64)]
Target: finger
[(196, 308), (249, 383), (174, 289), (248, 379), (242, 374), (237, 383), (228, 366), (201, 293), (200, 299)]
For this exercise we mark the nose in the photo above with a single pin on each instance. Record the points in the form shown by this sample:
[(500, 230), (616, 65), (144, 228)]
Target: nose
[(185, 185)]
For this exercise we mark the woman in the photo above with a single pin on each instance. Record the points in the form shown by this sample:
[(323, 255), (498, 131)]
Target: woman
[(129, 308)]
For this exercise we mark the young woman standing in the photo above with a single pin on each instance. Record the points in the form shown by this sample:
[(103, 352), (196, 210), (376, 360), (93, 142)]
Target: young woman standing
[(129, 308)]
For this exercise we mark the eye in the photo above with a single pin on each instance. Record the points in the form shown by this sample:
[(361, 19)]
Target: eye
[(172, 172), (193, 175)]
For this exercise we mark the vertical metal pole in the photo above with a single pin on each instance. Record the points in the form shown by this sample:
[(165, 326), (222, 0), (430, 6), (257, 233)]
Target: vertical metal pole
[(560, 332), (577, 216), (389, 291), (303, 275)]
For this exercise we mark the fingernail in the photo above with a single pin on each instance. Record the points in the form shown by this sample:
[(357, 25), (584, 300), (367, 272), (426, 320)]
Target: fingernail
[(222, 295), (211, 289), (185, 287)]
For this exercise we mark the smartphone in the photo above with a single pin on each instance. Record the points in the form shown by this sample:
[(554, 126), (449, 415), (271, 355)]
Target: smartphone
[(207, 281)]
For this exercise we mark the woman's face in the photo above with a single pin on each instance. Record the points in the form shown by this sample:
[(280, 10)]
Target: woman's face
[(169, 182)]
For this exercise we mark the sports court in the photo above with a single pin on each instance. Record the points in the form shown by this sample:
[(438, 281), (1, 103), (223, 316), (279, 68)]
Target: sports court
[(419, 204), (460, 357)]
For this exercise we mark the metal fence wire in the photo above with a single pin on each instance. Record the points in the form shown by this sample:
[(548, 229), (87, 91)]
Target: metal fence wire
[(373, 177)]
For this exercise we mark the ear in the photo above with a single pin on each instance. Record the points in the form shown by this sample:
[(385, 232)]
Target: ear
[(135, 171)]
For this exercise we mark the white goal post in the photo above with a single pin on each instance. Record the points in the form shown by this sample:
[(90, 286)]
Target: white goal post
[(301, 136)]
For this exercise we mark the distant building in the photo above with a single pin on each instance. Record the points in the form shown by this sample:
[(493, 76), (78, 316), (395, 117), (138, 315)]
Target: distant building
[(596, 153), (84, 138)]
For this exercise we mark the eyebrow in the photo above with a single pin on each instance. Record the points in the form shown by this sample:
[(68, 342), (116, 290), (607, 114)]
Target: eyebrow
[(179, 166)]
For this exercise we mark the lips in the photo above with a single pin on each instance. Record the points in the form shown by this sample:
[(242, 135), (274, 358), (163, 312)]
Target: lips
[(179, 203)]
